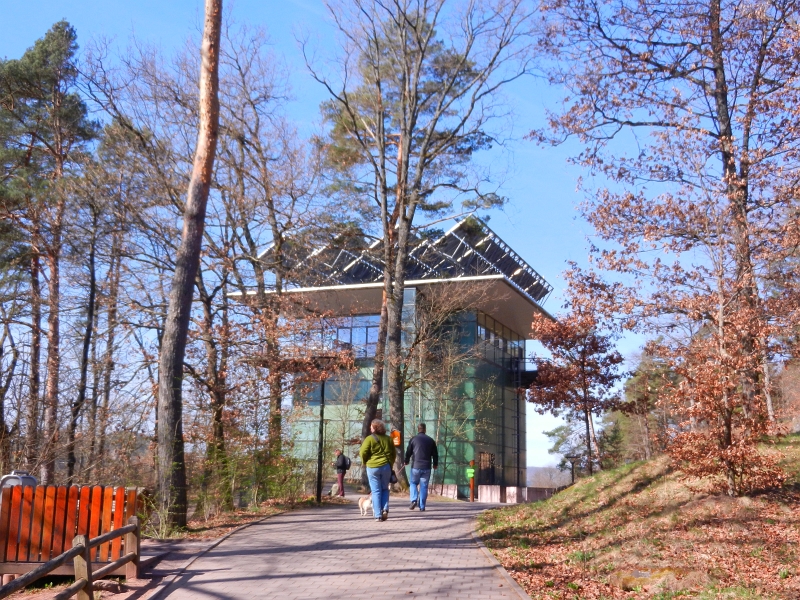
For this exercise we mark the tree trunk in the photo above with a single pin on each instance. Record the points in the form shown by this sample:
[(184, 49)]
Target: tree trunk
[(738, 195), (376, 389), (727, 432), (100, 416), (394, 350), (108, 364), (767, 384), (594, 438), (48, 453), (216, 465), (77, 405), (34, 377), (265, 310), (171, 463), (275, 431), (589, 465), (5, 385), (648, 453), (97, 369)]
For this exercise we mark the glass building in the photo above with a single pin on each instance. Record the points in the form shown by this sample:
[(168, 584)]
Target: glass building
[(465, 384)]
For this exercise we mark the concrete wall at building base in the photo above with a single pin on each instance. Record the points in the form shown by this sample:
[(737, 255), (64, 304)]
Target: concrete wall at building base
[(515, 495), (535, 494), (447, 490), (496, 494), (492, 494)]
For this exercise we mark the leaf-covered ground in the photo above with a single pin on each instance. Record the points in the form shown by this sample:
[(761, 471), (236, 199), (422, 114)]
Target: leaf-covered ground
[(643, 517)]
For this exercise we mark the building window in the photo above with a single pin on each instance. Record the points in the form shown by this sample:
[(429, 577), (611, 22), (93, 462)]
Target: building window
[(359, 333), (500, 341)]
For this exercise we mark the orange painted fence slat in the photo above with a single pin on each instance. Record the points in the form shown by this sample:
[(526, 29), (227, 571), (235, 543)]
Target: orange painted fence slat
[(95, 514), (59, 518), (70, 530), (108, 507), (5, 512), (37, 524), (47, 525), (13, 524), (84, 505), (25, 524), (130, 503)]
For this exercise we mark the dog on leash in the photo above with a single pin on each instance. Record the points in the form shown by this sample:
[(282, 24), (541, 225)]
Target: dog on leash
[(365, 505)]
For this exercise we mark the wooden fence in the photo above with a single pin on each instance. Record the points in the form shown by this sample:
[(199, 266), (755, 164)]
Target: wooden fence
[(81, 555), (37, 524)]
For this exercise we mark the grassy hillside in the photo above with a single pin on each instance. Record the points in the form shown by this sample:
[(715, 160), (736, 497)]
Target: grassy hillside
[(642, 531)]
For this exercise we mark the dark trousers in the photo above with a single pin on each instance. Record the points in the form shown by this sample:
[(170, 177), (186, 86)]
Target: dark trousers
[(340, 479)]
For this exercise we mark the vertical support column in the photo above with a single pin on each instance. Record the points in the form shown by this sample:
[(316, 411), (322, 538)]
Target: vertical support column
[(83, 568), (503, 421), (321, 447), (133, 544), (518, 441), (409, 325)]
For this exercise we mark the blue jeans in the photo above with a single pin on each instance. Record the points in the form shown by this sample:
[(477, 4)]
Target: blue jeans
[(379, 484), (420, 477)]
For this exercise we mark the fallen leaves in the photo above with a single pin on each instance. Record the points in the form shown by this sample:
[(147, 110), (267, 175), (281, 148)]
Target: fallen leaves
[(724, 543)]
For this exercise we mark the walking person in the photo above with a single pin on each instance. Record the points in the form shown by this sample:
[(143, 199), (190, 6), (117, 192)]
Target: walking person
[(377, 455), (342, 464), (423, 456)]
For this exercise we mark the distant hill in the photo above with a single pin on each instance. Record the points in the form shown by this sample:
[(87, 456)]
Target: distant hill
[(547, 477)]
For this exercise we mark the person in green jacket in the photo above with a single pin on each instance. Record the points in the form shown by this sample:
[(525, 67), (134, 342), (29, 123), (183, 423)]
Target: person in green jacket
[(377, 455)]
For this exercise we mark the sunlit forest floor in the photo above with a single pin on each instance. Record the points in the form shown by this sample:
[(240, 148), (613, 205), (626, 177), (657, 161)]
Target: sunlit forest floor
[(644, 531)]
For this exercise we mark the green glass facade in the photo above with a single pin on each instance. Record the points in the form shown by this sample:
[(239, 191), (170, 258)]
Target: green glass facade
[(465, 388)]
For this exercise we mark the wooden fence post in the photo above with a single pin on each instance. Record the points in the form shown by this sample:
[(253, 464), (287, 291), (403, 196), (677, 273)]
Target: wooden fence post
[(83, 567), (132, 544)]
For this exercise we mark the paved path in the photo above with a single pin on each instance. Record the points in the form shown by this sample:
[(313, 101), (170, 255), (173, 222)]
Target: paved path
[(334, 553)]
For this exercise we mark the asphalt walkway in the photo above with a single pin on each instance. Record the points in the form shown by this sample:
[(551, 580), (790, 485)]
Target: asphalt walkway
[(333, 553)]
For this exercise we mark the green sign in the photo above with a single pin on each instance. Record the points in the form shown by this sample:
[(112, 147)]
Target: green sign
[(470, 473)]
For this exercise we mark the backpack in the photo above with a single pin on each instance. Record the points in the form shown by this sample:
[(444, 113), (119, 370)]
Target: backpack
[(346, 463)]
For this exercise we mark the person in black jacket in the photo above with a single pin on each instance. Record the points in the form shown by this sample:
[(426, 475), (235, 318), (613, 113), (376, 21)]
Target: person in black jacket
[(341, 469), (423, 456)]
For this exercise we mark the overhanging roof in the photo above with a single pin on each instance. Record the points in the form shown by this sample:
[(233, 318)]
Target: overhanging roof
[(469, 249), (498, 297)]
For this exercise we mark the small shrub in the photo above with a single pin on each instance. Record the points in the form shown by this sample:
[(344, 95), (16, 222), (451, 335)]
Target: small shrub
[(581, 557)]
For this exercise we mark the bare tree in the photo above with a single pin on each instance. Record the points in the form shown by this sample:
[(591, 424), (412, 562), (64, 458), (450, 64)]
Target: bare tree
[(702, 209), (91, 307), (9, 359), (347, 408), (171, 463), (269, 180), (415, 98)]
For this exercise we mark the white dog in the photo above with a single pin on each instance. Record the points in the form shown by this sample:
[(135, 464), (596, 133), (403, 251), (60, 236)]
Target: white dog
[(365, 505)]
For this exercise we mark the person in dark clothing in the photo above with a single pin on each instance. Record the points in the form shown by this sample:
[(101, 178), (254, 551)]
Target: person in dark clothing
[(423, 456), (341, 469)]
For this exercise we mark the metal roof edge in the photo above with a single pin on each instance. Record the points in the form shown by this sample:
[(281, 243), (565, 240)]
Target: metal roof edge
[(411, 283)]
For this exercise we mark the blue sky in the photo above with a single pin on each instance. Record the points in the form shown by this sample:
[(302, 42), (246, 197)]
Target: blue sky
[(541, 221)]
